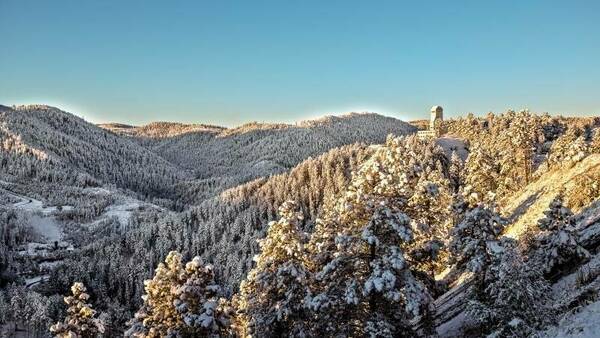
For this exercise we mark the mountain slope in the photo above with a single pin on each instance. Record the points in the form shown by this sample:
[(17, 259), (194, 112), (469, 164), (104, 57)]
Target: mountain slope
[(50, 145), (254, 150), (222, 230), (574, 290), (527, 207)]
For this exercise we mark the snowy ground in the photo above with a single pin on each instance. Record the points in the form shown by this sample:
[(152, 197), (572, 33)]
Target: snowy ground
[(122, 210), (44, 223), (450, 143), (40, 217), (46, 226), (30, 282), (582, 324)]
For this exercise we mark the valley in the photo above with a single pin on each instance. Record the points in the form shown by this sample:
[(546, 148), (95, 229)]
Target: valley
[(105, 205)]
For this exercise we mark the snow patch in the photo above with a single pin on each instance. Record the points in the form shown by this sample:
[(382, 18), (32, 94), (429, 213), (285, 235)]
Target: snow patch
[(583, 324)]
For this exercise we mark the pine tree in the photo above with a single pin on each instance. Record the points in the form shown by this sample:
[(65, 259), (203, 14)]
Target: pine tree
[(481, 177), (180, 302), (364, 285), (198, 303), (271, 299), (524, 134), (595, 143), (568, 149), (4, 308), (368, 289), (515, 301), (80, 320), (557, 245), (429, 209), (475, 238)]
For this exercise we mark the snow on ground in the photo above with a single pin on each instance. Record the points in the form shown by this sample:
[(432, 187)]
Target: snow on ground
[(453, 327), (582, 324), (31, 204), (47, 266), (122, 210), (40, 217), (450, 143), (29, 282), (97, 190), (525, 209), (46, 226), (569, 283)]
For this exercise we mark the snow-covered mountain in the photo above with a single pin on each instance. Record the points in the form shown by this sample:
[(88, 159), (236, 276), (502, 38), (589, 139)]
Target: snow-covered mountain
[(183, 162), (49, 145), (257, 149), (492, 228)]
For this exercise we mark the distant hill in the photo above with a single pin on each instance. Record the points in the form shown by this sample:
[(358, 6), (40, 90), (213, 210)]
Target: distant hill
[(258, 149), (160, 129), (181, 162), (47, 144)]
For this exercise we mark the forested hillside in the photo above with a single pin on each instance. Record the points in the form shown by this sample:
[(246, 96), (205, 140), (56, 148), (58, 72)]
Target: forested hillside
[(51, 146), (222, 158), (312, 229)]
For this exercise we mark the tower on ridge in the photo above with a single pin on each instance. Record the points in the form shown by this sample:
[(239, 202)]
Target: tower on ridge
[(437, 113)]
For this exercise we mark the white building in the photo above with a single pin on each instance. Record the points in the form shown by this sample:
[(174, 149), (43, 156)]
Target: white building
[(437, 114)]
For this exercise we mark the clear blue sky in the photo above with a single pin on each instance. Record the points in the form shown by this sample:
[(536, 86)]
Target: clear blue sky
[(228, 62)]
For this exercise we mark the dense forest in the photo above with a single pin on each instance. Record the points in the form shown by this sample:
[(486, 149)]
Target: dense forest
[(345, 226)]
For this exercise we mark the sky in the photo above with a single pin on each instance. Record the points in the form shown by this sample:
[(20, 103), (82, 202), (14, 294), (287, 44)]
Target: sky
[(229, 62)]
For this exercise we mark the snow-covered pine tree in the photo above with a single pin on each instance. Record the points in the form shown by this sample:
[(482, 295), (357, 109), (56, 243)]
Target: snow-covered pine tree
[(510, 174), (271, 299), (523, 137), (80, 321), (158, 316), (429, 209), (595, 143), (475, 238), (364, 285), (515, 302), (4, 308), (557, 245), (368, 288), (568, 149), (180, 302), (481, 176), (203, 312)]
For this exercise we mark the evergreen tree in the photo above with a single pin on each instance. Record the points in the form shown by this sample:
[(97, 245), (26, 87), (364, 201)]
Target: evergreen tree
[(481, 177), (595, 143), (429, 209), (568, 149), (271, 299), (198, 303), (475, 238), (80, 320), (368, 288), (455, 171), (181, 302), (557, 245), (4, 308), (515, 301), (364, 285)]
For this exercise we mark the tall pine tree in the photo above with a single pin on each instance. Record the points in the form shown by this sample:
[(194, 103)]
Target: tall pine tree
[(557, 245), (81, 321), (271, 299), (181, 302)]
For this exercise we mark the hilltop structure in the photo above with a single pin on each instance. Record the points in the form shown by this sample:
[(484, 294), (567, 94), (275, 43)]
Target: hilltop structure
[(436, 117)]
